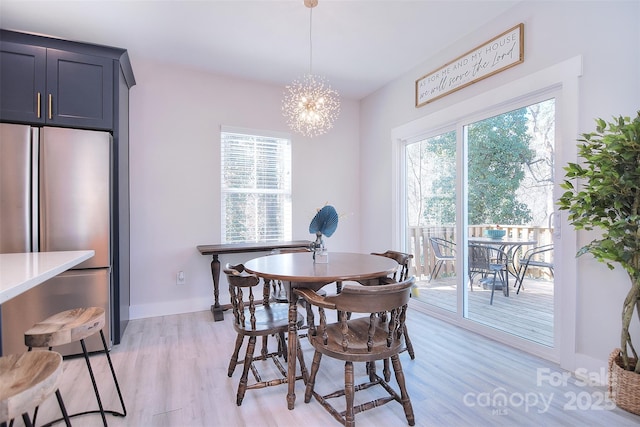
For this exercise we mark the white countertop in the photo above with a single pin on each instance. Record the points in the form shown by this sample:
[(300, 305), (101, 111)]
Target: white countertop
[(22, 271)]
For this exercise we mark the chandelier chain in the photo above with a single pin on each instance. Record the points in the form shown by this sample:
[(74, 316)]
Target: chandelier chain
[(310, 41)]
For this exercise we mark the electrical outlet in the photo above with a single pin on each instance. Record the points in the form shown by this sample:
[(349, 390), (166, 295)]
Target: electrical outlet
[(181, 279)]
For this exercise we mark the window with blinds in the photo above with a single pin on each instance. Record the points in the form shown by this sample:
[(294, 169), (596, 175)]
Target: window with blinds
[(256, 187)]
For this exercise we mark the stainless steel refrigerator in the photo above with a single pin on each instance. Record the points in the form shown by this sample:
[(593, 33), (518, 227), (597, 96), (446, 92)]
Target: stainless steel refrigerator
[(55, 196)]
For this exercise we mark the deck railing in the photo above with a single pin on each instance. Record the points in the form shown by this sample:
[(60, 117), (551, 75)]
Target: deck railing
[(424, 259)]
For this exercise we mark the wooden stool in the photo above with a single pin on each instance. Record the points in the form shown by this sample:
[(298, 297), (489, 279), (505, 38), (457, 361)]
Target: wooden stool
[(27, 380), (71, 326)]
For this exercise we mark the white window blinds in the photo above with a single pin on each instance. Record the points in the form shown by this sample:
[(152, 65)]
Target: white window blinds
[(256, 187)]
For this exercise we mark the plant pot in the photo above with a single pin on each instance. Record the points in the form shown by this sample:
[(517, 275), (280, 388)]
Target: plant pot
[(624, 386)]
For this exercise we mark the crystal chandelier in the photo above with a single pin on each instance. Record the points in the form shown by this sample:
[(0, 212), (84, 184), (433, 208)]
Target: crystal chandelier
[(310, 105)]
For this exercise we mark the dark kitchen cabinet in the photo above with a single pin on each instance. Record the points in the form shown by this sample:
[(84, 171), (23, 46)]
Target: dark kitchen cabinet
[(46, 81), (55, 87)]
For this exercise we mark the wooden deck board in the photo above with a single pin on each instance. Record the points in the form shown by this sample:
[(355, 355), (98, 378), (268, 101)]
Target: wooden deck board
[(528, 314)]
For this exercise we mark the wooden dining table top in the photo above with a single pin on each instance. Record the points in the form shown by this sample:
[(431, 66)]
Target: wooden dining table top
[(300, 267)]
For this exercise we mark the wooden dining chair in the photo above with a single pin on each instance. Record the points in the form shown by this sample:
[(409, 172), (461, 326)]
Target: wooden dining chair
[(365, 337), (253, 317), (401, 274), (403, 260)]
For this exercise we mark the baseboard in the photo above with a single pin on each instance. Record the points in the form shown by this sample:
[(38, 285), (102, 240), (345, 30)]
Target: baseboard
[(143, 311), (591, 370)]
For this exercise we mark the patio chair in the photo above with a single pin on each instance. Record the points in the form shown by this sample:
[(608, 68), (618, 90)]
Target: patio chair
[(533, 258), (489, 261), (443, 251)]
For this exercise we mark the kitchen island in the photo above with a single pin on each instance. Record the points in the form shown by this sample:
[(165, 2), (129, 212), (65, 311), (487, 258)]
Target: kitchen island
[(20, 272)]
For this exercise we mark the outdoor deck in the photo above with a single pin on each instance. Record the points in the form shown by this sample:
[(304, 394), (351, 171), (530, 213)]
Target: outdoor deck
[(528, 314)]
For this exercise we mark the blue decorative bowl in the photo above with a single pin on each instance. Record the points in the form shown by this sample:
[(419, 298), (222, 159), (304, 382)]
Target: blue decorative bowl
[(496, 234)]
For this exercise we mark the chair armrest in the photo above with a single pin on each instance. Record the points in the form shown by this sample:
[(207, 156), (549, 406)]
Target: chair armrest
[(313, 298), (378, 281)]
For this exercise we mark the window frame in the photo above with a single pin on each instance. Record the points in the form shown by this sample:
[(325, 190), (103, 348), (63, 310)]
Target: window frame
[(279, 184)]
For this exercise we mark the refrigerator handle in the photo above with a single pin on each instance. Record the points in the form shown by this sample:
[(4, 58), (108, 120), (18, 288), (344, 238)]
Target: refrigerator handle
[(35, 183)]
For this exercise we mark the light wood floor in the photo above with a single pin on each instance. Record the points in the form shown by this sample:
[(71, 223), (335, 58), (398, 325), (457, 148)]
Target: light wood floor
[(173, 372)]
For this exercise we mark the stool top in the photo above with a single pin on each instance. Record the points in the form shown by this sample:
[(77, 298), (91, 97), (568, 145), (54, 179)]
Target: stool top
[(65, 327), (26, 380)]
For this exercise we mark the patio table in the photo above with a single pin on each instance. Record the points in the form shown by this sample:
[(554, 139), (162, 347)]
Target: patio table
[(509, 245)]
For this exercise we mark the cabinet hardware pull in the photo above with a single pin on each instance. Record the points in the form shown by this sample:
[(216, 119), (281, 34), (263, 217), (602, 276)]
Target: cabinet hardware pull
[(50, 106), (38, 114)]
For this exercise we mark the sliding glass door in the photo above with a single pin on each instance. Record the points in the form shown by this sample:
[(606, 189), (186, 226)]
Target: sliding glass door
[(509, 188), (492, 172)]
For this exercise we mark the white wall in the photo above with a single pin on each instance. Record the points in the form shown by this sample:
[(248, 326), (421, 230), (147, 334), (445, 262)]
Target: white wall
[(176, 114), (607, 36)]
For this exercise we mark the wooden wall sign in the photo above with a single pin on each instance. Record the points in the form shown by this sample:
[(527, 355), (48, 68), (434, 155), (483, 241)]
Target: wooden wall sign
[(501, 52)]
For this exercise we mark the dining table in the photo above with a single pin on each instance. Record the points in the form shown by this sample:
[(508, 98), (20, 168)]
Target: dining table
[(298, 270)]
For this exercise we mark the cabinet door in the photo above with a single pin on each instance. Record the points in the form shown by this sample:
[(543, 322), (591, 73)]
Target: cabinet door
[(79, 90), (22, 83)]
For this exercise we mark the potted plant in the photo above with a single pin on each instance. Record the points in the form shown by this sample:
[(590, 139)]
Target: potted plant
[(606, 196)]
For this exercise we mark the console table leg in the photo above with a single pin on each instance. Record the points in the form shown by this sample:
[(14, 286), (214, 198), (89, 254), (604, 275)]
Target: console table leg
[(217, 311)]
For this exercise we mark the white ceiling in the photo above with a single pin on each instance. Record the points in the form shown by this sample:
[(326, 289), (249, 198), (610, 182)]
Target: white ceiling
[(359, 46)]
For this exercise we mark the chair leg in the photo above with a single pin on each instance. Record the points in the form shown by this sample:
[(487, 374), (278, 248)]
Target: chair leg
[(265, 350), (248, 359), (520, 276), (234, 357), (303, 366), (349, 392), (408, 343), (385, 370), (435, 270), (404, 396), (371, 370), (317, 356), (282, 346)]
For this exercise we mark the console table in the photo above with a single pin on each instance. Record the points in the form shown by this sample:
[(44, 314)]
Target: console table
[(233, 248)]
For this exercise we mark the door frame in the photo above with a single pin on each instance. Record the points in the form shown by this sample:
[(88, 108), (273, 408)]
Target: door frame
[(563, 79)]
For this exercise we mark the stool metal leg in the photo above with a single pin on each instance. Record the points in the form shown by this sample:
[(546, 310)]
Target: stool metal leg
[(95, 389), (115, 379), (63, 409), (27, 421), (93, 381)]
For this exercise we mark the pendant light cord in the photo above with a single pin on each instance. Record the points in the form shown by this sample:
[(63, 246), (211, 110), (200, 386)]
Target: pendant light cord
[(310, 41)]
